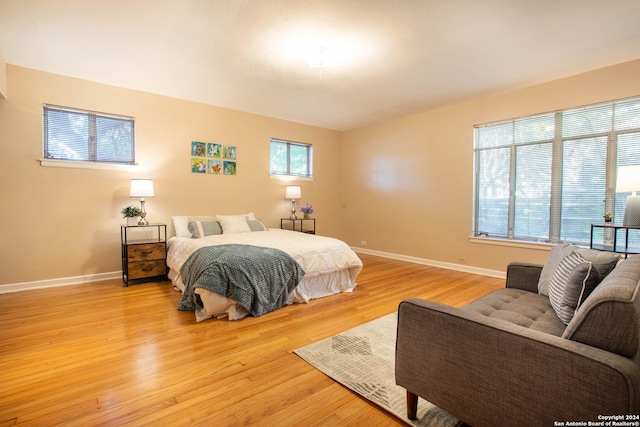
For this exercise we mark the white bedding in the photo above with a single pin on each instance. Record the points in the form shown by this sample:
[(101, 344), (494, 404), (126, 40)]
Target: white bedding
[(330, 266)]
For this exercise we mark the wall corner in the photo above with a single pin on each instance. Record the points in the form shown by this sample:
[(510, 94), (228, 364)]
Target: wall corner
[(3, 78)]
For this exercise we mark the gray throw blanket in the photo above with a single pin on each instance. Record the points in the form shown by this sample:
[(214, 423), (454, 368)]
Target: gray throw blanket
[(259, 279)]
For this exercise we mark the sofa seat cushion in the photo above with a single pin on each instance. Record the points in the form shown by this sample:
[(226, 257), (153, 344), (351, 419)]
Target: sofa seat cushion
[(520, 307)]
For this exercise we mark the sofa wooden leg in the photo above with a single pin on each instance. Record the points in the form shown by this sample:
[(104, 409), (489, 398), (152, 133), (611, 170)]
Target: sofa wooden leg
[(412, 405)]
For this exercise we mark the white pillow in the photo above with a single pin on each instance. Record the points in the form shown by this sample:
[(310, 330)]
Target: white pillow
[(233, 224)]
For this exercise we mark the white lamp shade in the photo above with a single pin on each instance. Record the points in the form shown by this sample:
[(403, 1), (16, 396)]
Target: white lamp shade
[(632, 212), (628, 179), (141, 188), (293, 192)]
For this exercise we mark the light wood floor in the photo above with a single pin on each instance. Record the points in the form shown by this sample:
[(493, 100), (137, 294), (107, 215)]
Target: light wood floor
[(102, 354)]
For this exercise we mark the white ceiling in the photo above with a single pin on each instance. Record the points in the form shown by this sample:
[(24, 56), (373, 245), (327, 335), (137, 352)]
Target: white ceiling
[(396, 57)]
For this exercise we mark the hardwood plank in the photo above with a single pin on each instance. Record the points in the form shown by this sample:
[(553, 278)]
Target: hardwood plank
[(102, 354)]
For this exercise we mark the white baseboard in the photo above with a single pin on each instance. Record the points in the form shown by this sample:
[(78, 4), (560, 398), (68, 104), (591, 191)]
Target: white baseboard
[(63, 281), (432, 263), (75, 280)]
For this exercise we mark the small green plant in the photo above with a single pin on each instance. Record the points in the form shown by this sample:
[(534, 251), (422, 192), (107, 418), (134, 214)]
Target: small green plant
[(608, 217), (131, 212)]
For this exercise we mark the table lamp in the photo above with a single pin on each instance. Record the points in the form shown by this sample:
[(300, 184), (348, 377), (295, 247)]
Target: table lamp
[(293, 192), (629, 181), (142, 188)]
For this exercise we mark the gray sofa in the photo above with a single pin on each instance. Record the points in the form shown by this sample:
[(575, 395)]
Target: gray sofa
[(508, 360)]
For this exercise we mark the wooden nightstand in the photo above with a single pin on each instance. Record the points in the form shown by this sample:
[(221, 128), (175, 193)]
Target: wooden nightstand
[(305, 225), (144, 252)]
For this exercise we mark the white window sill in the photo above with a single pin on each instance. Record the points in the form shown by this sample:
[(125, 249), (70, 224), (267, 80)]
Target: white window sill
[(291, 178), (86, 165), (541, 246)]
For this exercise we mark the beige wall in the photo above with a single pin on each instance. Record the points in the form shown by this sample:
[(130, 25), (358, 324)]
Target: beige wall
[(404, 186), (408, 183), (59, 223)]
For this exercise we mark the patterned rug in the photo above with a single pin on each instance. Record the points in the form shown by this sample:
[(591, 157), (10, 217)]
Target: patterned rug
[(363, 359)]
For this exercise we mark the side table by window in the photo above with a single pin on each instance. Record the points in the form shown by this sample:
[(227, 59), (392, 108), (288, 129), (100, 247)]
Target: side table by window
[(304, 225), (610, 241), (144, 252)]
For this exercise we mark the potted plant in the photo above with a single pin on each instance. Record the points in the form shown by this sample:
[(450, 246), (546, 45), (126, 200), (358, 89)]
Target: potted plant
[(608, 217), (131, 213), (307, 210)]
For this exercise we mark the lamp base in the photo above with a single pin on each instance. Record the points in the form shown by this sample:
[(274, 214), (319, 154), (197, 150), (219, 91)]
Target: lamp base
[(632, 212), (293, 210), (143, 215)]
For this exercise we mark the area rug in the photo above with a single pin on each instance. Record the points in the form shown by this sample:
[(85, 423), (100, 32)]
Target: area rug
[(363, 359)]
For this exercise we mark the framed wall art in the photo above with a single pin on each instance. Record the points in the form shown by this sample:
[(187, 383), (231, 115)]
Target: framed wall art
[(229, 168), (198, 165), (214, 167), (230, 152), (198, 148), (214, 150), (207, 158)]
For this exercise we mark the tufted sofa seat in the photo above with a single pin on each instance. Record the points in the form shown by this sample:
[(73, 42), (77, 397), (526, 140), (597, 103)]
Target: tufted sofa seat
[(522, 308), (507, 359)]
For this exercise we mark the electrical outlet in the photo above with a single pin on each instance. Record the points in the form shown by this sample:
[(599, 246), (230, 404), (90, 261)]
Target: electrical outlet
[(462, 260), (363, 242)]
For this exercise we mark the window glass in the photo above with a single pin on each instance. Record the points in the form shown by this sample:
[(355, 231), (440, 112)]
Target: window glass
[(533, 191), (291, 158), (550, 176), (534, 129), (495, 136), (583, 187), (87, 136), (628, 154), (493, 197)]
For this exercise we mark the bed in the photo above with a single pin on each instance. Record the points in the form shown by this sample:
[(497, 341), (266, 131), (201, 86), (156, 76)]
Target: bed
[(328, 266)]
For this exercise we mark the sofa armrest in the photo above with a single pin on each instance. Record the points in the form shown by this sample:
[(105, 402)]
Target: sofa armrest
[(522, 275), (486, 371)]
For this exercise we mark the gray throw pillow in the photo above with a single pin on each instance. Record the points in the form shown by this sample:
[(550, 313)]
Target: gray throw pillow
[(256, 225), (200, 229), (604, 261), (573, 281), (558, 252)]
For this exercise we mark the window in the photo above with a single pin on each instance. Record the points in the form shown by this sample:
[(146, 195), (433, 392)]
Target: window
[(86, 136), (549, 177), (291, 158)]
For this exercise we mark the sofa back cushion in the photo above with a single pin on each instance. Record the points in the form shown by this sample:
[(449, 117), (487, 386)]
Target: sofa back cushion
[(610, 317)]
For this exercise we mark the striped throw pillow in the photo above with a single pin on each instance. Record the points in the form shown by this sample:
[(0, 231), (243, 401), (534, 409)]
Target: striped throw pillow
[(573, 281)]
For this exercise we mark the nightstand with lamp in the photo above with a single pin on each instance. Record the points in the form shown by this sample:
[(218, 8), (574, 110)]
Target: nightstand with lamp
[(144, 255)]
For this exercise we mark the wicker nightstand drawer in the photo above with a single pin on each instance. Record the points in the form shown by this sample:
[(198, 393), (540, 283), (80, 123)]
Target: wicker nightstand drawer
[(146, 252)]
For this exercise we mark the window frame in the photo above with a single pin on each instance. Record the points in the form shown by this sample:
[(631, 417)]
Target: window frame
[(92, 160), (610, 164), (288, 173)]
